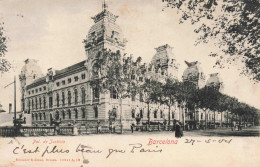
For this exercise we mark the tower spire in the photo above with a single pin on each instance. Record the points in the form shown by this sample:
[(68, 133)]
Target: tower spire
[(104, 5)]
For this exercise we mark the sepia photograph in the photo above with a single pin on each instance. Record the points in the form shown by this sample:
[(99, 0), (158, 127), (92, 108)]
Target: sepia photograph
[(129, 83)]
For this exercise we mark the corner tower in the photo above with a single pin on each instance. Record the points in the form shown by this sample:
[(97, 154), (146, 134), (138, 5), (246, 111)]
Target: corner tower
[(165, 62), (104, 34)]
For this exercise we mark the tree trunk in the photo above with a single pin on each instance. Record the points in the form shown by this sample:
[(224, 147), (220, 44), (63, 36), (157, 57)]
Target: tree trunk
[(206, 116), (169, 117), (221, 119), (120, 99), (214, 118), (148, 106)]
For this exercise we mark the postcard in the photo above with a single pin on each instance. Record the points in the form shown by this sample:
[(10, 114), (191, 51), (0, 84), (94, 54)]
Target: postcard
[(129, 83)]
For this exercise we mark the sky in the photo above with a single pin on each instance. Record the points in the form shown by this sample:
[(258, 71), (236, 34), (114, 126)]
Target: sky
[(52, 32)]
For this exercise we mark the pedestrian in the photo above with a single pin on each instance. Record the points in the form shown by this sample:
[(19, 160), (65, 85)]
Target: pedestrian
[(132, 127), (178, 131)]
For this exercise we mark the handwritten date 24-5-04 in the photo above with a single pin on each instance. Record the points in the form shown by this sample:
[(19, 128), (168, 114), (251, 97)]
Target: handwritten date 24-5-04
[(48, 150)]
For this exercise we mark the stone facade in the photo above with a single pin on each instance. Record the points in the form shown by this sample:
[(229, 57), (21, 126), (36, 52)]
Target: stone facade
[(66, 94)]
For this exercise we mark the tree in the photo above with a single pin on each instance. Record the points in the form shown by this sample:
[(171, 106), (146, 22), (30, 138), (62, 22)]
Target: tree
[(208, 100), (186, 97), (112, 72), (152, 91), (233, 26), (4, 64)]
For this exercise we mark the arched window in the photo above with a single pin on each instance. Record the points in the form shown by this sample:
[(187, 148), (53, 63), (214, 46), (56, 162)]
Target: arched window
[(96, 111), (63, 115), (95, 94), (40, 115), (69, 113), (44, 116), (32, 116), (57, 115), (76, 113), (58, 99), (155, 114), (40, 101), (83, 113), (63, 99), (83, 95), (44, 102), (50, 101), (161, 114), (133, 113), (69, 98), (113, 93), (32, 104), (141, 114), (29, 105), (76, 96), (36, 103), (201, 116)]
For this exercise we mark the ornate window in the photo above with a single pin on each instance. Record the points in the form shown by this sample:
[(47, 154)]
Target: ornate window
[(40, 101), (76, 113), (57, 115), (63, 98), (76, 78), (155, 114), (113, 93), (36, 103), (83, 113), (69, 113), (76, 96), (83, 95), (40, 115), (29, 104), (58, 99), (44, 102), (96, 111), (50, 101), (133, 113), (44, 116), (95, 94), (83, 76), (63, 115), (32, 104), (32, 116), (69, 98), (141, 113)]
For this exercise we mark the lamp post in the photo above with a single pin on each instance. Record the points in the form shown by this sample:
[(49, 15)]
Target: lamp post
[(20, 121)]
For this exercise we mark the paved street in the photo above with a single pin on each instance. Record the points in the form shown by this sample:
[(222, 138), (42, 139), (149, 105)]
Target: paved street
[(246, 132)]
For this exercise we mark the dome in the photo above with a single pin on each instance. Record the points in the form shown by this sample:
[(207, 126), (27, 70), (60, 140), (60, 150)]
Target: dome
[(30, 71), (163, 55), (193, 72), (215, 80), (105, 28)]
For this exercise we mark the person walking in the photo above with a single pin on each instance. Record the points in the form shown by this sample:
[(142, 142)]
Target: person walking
[(132, 127), (178, 131)]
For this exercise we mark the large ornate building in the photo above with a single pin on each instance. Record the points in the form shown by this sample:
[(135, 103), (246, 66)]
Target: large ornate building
[(68, 96)]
